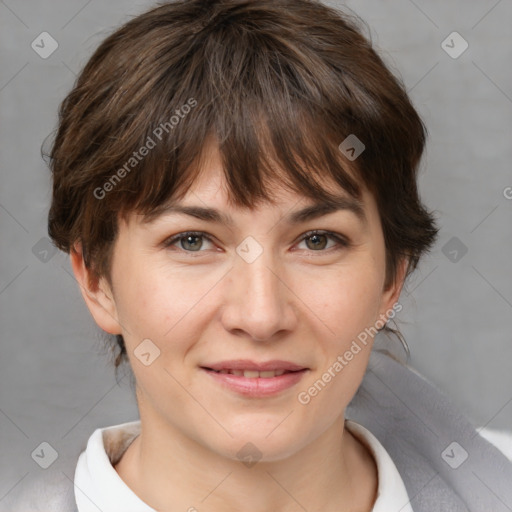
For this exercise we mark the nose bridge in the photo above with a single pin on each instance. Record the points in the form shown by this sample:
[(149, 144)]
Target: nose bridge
[(258, 301), (260, 279)]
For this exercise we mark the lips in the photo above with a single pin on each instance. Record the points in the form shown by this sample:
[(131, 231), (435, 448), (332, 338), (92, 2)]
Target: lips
[(255, 380)]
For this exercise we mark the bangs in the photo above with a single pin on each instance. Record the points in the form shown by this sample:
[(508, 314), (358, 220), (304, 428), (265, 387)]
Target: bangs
[(271, 123), (257, 158)]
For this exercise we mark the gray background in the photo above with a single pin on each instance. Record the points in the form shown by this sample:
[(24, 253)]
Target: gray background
[(55, 383)]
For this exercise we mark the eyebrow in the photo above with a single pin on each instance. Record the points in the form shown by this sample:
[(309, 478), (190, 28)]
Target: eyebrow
[(314, 211)]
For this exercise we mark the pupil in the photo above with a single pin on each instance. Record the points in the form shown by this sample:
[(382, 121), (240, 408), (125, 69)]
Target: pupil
[(191, 237), (316, 237)]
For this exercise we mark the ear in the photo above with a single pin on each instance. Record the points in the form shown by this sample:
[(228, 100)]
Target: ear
[(96, 293), (392, 294)]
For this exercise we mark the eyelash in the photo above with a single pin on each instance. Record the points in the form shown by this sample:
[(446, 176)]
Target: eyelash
[(342, 242)]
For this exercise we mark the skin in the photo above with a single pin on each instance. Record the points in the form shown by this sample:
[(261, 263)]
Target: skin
[(295, 302)]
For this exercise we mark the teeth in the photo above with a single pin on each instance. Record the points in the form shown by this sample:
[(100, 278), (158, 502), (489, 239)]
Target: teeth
[(253, 374), (271, 373)]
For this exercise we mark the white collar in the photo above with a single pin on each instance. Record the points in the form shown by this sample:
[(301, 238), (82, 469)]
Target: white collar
[(391, 493), (98, 486)]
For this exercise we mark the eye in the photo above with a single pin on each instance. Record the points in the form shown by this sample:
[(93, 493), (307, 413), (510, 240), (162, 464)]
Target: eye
[(190, 241), (316, 241), (319, 239)]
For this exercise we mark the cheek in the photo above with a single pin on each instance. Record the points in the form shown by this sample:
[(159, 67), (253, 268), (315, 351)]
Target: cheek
[(142, 310), (172, 309), (349, 313), (346, 301), (163, 308), (155, 301)]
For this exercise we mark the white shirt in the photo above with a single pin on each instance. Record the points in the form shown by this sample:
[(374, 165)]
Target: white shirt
[(99, 487)]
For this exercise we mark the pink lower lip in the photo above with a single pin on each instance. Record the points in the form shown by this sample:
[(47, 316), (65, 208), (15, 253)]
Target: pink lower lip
[(258, 386)]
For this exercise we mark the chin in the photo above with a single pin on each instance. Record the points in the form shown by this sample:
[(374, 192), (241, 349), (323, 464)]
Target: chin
[(261, 443)]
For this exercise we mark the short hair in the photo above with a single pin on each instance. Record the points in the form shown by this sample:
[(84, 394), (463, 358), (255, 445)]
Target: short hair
[(278, 85)]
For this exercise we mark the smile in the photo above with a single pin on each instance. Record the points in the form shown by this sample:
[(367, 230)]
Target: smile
[(255, 382)]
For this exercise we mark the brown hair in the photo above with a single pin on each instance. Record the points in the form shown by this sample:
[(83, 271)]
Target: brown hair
[(271, 82)]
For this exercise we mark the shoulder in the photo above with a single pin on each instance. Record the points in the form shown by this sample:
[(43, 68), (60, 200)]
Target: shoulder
[(52, 491), (502, 439)]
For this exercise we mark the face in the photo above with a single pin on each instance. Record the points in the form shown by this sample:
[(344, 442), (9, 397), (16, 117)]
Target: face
[(260, 294)]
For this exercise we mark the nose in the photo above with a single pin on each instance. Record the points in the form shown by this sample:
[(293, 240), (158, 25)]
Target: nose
[(258, 300)]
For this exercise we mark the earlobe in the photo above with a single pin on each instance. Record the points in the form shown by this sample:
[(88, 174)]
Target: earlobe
[(96, 293)]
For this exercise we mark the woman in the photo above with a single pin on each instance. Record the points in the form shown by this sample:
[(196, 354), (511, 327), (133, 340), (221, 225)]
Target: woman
[(235, 182)]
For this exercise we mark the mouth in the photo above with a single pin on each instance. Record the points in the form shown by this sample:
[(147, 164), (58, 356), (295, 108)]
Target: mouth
[(247, 365), (256, 379), (252, 374)]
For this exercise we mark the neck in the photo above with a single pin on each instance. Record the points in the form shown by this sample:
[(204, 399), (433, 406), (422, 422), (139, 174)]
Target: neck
[(170, 471)]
